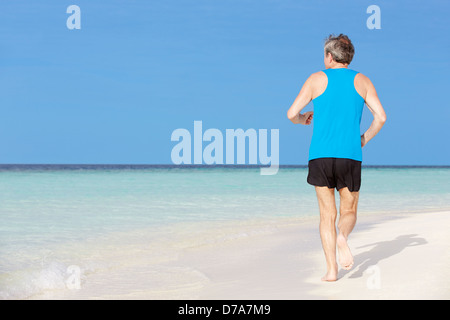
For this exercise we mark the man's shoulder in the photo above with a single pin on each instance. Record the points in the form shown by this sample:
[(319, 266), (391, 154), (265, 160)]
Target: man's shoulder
[(362, 81), (318, 83), (363, 85), (361, 77), (318, 77)]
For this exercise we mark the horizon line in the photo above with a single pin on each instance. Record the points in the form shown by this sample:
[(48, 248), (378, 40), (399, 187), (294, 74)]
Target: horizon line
[(183, 166)]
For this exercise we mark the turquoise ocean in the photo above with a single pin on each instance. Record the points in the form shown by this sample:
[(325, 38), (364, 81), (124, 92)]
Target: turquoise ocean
[(95, 217)]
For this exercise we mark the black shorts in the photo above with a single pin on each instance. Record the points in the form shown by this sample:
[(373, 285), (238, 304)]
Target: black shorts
[(335, 173)]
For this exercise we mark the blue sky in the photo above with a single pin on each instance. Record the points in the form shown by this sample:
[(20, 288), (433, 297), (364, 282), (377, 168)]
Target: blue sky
[(115, 90)]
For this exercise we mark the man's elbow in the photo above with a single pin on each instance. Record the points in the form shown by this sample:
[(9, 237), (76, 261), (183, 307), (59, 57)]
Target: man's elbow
[(291, 116), (380, 117)]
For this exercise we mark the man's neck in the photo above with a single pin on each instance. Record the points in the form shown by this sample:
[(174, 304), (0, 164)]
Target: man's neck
[(337, 65)]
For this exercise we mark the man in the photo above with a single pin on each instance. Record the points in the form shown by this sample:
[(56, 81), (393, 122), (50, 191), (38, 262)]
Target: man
[(335, 153)]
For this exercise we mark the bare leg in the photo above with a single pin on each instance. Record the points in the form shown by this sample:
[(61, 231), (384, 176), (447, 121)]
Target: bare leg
[(347, 221), (328, 213)]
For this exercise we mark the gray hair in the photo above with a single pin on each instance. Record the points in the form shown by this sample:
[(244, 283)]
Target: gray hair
[(340, 47)]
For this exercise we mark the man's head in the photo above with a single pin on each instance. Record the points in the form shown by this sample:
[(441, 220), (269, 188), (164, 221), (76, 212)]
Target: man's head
[(338, 49)]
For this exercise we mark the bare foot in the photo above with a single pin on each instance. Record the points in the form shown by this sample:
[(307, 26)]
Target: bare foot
[(345, 256), (331, 275)]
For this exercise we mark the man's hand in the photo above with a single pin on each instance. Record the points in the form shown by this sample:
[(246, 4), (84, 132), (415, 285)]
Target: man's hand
[(307, 117), (363, 141)]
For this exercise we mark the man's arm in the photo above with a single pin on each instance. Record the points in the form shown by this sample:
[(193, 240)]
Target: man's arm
[(375, 107), (302, 100)]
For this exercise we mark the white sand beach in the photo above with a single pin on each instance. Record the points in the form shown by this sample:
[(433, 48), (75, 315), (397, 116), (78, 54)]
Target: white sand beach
[(405, 257), (401, 256)]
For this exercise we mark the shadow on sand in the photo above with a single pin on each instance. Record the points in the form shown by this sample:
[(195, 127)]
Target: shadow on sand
[(380, 251)]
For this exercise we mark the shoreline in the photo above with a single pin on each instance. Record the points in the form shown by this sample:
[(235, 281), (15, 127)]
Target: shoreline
[(397, 256)]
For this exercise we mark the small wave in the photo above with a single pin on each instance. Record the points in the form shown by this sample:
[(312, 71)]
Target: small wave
[(25, 284)]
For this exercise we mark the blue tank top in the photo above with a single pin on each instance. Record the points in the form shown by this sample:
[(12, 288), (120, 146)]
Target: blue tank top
[(337, 118)]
